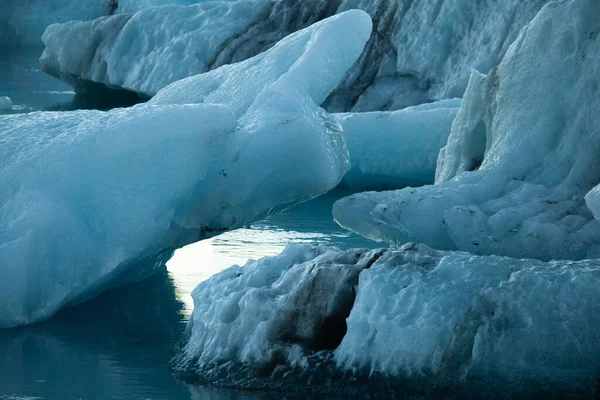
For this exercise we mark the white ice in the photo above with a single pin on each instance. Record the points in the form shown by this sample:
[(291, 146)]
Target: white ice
[(94, 199), (428, 319), (522, 154), (395, 149), (421, 51)]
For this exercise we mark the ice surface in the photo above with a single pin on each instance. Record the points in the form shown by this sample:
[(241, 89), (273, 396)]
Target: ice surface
[(5, 103), (93, 199), (22, 22), (417, 319), (87, 194), (391, 150), (539, 120), (146, 51), (420, 51), (277, 308)]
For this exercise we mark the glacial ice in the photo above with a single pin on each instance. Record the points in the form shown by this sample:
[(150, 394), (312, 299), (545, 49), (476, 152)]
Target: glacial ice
[(22, 22), (532, 125), (95, 199), (413, 318), (395, 149), (420, 51), (145, 51)]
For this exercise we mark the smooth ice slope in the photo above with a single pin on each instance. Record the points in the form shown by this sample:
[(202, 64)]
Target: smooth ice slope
[(420, 51), (391, 150), (538, 113), (428, 321), (94, 199)]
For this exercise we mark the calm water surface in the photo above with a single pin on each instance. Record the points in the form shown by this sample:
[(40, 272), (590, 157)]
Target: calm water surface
[(118, 346)]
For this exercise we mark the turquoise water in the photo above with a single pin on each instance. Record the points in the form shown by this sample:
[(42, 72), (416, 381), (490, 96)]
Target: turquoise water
[(119, 345), (30, 89)]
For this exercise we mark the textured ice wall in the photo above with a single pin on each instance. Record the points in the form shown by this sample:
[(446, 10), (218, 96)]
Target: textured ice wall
[(22, 22), (533, 122), (395, 149), (94, 199), (419, 50), (411, 319)]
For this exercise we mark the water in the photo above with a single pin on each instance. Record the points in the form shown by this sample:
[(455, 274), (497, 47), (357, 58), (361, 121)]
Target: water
[(30, 89), (118, 346)]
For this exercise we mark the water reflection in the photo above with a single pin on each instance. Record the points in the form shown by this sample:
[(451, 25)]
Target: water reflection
[(310, 222), (115, 347)]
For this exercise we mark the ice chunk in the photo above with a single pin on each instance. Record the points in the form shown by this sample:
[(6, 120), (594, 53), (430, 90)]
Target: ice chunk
[(87, 194), (527, 197), (390, 150), (95, 199), (5, 104), (271, 310), (421, 50), (417, 319), (148, 50)]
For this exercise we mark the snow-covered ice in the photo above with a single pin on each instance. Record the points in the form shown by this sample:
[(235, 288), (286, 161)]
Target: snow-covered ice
[(532, 125), (394, 149), (427, 320), (420, 51), (94, 199)]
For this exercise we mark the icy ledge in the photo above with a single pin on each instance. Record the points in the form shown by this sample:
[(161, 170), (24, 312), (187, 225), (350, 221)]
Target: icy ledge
[(522, 154), (395, 149), (94, 199), (397, 321)]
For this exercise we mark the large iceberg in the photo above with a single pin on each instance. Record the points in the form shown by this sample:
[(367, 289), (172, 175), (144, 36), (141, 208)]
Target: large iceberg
[(395, 149), (521, 156), (398, 321), (95, 199), (22, 22), (419, 51)]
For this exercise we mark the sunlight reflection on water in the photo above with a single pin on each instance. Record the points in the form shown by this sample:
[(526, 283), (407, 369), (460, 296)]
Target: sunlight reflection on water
[(311, 223)]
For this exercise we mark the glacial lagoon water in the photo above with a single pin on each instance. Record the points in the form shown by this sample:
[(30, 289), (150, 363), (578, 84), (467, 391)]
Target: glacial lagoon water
[(119, 345)]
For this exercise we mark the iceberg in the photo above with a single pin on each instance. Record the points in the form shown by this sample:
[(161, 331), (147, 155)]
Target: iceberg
[(395, 149), (407, 320), (23, 22), (420, 51), (520, 158), (93, 200)]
